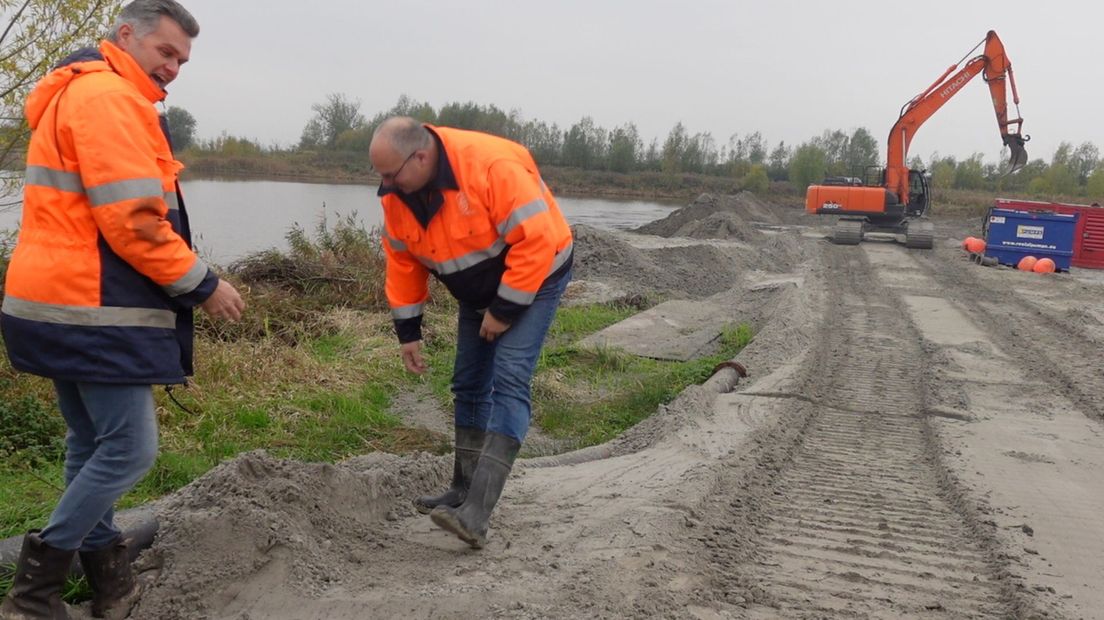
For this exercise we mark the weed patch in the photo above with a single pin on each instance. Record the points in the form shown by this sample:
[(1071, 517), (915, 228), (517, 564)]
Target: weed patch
[(593, 396), (31, 430)]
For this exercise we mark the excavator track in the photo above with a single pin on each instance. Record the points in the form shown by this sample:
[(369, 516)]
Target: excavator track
[(847, 232), (920, 235), (860, 519)]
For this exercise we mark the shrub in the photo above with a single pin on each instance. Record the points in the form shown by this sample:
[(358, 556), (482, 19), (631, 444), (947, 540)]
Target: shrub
[(30, 428), (288, 295)]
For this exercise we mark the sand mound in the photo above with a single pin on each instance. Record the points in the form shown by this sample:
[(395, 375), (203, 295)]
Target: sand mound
[(694, 271), (716, 217), (779, 254), (313, 520)]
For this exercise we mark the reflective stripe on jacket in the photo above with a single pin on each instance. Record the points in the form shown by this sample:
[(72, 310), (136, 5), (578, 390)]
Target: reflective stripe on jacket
[(493, 241), (102, 279)]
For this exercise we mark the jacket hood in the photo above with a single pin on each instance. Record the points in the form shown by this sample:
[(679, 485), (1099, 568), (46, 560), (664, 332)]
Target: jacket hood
[(88, 60)]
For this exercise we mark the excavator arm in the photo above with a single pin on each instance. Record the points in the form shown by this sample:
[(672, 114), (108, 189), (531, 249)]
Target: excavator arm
[(996, 68)]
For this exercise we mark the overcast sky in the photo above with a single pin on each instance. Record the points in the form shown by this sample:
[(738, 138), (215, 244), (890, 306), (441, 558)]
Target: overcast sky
[(785, 68)]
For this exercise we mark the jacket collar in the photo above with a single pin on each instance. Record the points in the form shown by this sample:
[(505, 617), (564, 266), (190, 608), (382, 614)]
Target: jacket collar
[(108, 58), (125, 65)]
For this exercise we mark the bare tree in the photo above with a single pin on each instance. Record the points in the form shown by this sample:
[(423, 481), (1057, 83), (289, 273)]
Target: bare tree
[(36, 34)]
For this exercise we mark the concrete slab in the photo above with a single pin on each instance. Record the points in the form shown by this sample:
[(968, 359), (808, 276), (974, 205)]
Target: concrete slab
[(678, 330)]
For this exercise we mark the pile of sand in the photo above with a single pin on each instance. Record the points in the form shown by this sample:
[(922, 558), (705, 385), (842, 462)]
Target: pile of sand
[(316, 519), (693, 272), (778, 254), (716, 217), (731, 245)]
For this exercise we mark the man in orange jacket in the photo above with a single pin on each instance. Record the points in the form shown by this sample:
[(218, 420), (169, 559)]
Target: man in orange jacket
[(100, 290), (471, 210)]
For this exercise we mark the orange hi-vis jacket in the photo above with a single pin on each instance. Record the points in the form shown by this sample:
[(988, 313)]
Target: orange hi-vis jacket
[(494, 240), (102, 280)]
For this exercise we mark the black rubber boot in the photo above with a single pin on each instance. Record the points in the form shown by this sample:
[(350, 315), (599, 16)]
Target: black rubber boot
[(114, 589), (469, 521), (36, 591), (469, 443)]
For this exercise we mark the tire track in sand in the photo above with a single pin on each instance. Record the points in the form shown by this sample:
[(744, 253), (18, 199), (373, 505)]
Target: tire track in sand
[(1049, 345), (860, 521)]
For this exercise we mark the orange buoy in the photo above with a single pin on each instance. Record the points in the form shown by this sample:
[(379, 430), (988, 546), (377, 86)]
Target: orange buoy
[(1027, 263), (975, 245), (966, 243), (1044, 265)]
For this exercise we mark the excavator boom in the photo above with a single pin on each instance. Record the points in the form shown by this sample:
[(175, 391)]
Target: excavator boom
[(996, 69)]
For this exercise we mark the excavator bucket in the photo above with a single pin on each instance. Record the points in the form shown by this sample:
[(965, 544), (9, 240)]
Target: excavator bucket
[(1015, 144)]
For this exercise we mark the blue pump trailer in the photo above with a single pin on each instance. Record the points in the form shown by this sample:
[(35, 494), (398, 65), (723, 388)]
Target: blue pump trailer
[(1011, 235)]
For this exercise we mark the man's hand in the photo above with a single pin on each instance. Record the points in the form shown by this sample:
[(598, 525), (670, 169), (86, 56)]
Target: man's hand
[(412, 357), (224, 303), (491, 328)]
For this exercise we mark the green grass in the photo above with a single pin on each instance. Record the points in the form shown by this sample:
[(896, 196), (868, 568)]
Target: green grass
[(330, 348), (75, 591), (571, 323), (343, 425), (27, 496), (172, 471), (593, 396)]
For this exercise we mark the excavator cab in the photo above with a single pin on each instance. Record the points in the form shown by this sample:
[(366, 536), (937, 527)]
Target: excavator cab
[(918, 198)]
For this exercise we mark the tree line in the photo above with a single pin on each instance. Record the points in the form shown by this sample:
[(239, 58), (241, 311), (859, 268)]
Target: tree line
[(337, 125), (36, 33)]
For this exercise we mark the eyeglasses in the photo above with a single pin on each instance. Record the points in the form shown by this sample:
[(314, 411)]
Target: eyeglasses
[(390, 177)]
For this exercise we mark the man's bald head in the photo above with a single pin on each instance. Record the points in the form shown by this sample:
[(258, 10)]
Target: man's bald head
[(402, 134), (403, 153)]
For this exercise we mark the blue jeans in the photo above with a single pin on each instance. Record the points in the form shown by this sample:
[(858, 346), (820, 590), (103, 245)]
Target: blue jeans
[(490, 380), (111, 444)]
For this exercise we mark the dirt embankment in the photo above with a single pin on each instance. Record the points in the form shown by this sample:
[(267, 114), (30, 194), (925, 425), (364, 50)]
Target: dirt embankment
[(919, 437)]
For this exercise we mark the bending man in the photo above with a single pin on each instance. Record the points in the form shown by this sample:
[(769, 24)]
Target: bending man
[(471, 210)]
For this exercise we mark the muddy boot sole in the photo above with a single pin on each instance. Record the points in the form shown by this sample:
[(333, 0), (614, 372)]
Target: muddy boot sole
[(120, 608), (449, 520), (425, 505)]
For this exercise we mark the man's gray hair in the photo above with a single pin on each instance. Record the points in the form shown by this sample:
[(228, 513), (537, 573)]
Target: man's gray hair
[(405, 134), (145, 16)]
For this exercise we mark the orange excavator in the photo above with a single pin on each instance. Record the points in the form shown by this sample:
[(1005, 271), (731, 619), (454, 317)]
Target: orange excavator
[(895, 199)]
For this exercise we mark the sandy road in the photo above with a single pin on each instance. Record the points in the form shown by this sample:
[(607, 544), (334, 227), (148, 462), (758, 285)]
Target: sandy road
[(920, 437), (861, 520)]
